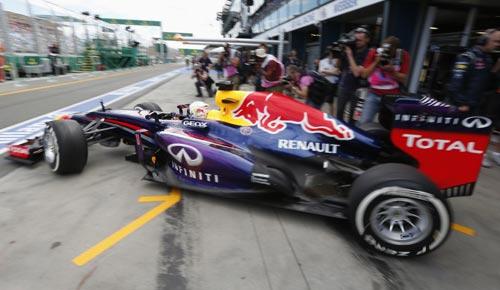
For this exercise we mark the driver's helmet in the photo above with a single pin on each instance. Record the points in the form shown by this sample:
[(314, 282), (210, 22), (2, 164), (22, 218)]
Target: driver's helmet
[(198, 109)]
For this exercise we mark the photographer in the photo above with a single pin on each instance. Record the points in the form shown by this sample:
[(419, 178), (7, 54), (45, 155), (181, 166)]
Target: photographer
[(271, 71), (386, 69), (203, 79), (349, 79), (205, 61), (310, 86), (329, 67)]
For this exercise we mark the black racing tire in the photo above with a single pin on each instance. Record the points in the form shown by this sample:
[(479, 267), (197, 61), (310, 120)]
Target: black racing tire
[(65, 147), (148, 106), (401, 196)]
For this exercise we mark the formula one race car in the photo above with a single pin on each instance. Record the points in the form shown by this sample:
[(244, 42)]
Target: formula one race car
[(390, 179)]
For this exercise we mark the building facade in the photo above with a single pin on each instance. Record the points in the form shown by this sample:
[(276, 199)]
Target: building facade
[(433, 31)]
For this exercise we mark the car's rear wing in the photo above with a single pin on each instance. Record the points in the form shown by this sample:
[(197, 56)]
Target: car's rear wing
[(449, 145)]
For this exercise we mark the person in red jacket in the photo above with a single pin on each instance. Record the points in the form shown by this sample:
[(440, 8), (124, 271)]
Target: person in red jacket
[(387, 70), (271, 71)]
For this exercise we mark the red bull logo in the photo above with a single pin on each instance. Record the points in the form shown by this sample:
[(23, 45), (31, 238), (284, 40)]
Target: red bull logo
[(271, 112)]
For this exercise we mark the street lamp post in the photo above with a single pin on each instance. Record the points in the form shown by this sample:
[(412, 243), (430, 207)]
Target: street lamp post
[(97, 18), (86, 13), (159, 41), (130, 32)]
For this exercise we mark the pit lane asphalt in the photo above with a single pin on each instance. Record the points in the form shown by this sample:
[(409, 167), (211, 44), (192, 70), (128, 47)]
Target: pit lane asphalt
[(38, 97), (211, 243)]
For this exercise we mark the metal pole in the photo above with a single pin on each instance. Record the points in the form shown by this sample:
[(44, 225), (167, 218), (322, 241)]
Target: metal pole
[(54, 19), (162, 52), (114, 34), (75, 46), (385, 21), (221, 43), (422, 49), (281, 38), (471, 18), (86, 32), (233, 40), (97, 29), (35, 28)]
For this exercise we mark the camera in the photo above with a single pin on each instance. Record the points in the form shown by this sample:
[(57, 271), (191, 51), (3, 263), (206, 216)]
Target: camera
[(345, 40), (252, 58), (286, 80), (384, 52)]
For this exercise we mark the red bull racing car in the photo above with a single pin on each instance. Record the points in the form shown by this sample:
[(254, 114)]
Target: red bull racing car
[(391, 180)]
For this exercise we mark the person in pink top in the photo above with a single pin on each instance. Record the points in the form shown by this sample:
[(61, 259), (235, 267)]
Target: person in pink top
[(305, 86), (387, 70)]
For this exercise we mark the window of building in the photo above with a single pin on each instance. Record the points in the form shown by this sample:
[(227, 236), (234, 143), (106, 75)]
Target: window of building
[(273, 19), (256, 28), (294, 7), (309, 5), (283, 14), (267, 22)]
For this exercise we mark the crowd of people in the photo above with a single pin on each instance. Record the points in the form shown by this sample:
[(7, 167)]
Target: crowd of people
[(383, 70), (339, 74)]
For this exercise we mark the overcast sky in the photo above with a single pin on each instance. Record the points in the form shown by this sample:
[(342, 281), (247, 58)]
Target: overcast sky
[(195, 16)]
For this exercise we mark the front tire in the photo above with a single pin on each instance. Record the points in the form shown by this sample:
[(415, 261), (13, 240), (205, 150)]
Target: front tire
[(396, 210), (148, 106), (65, 147)]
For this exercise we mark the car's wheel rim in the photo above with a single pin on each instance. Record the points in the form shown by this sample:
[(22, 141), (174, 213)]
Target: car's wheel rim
[(50, 147), (401, 221)]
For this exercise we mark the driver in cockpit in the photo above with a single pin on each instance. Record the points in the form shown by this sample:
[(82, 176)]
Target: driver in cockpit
[(198, 109)]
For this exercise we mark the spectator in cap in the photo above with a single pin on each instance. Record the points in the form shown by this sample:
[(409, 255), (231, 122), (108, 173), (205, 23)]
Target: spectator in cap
[(271, 71), (203, 79)]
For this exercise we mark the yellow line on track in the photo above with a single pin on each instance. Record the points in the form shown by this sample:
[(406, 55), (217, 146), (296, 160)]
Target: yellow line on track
[(64, 84), (464, 230), (167, 201)]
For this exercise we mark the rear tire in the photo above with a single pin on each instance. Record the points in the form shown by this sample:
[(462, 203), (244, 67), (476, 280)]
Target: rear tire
[(148, 106), (396, 210), (65, 147)]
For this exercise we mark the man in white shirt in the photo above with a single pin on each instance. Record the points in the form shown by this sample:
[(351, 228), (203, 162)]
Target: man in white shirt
[(329, 68)]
